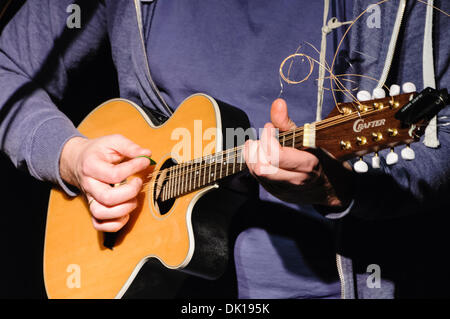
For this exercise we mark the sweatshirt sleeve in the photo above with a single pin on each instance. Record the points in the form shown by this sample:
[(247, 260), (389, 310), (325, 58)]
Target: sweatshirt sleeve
[(35, 48)]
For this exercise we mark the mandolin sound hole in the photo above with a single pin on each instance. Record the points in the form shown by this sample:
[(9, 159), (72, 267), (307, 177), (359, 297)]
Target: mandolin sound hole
[(164, 206)]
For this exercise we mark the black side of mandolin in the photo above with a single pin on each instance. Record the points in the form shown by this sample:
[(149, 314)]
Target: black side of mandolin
[(210, 273)]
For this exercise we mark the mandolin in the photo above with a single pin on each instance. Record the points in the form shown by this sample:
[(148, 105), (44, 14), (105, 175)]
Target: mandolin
[(182, 219)]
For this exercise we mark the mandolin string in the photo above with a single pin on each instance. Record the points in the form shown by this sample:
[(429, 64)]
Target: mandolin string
[(237, 152), (185, 175), (288, 136)]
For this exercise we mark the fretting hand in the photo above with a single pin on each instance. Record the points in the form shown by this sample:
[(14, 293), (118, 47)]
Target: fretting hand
[(304, 177)]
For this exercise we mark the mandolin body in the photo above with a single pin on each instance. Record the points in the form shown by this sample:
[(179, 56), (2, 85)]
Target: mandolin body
[(190, 237)]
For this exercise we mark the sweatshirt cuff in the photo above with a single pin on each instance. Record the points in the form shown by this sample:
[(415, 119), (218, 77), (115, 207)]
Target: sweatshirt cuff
[(333, 213), (46, 146)]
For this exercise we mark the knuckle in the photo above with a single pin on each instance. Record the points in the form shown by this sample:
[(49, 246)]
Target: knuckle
[(116, 136), (85, 167), (97, 225), (133, 205), (311, 165), (115, 176), (98, 213), (113, 227), (297, 181), (259, 169), (136, 186), (106, 198)]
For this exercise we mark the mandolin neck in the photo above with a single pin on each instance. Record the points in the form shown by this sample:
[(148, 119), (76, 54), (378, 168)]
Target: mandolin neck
[(189, 176)]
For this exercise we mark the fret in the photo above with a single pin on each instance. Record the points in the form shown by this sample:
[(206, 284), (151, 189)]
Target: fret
[(205, 165), (174, 184), (180, 179), (241, 158), (293, 138), (209, 175), (167, 186), (234, 160), (195, 173), (284, 140), (186, 179), (163, 194), (226, 163), (199, 173), (221, 165), (215, 167), (179, 184), (190, 177), (174, 181)]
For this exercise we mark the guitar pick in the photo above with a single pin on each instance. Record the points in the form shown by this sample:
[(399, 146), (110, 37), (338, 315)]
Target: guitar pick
[(394, 90), (408, 87), (376, 161), (391, 158), (363, 95), (378, 93), (408, 153), (360, 166)]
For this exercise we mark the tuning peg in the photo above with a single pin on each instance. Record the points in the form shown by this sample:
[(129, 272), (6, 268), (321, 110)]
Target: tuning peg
[(360, 166), (378, 93), (394, 90), (408, 153), (376, 161), (363, 95), (392, 157), (408, 87)]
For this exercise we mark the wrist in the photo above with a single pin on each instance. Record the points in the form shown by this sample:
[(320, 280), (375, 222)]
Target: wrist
[(69, 158)]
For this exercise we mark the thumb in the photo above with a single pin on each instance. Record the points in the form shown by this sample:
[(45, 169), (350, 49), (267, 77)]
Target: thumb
[(279, 116)]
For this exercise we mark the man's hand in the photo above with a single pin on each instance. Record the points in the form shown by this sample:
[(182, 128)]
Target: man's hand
[(304, 177), (94, 165)]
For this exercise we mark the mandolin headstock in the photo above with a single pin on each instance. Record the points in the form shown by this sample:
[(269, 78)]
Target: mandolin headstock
[(357, 128)]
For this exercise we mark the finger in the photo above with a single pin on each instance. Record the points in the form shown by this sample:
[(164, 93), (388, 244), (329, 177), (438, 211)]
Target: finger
[(251, 154), (295, 160), (260, 159), (111, 196), (115, 173), (126, 147), (110, 226), (272, 173), (279, 116), (269, 151), (103, 213)]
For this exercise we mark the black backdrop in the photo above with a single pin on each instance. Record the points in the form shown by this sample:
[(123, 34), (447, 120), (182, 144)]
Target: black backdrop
[(24, 199)]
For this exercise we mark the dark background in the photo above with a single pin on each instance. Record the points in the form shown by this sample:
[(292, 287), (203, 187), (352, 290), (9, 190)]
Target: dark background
[(23, 219), (25, 199)]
